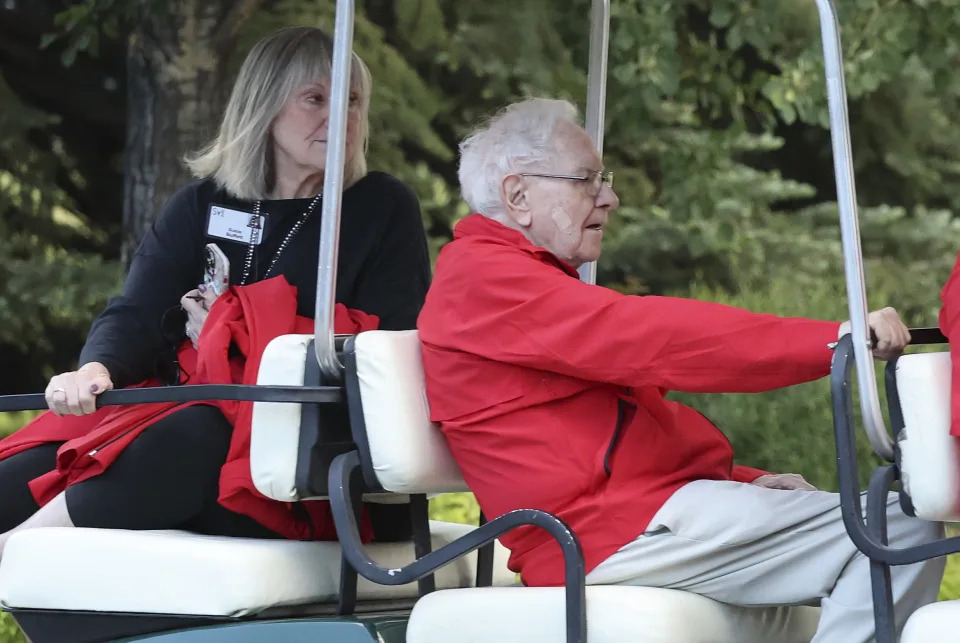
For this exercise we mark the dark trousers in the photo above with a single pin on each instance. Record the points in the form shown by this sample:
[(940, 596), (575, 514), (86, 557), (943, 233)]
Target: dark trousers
[(167, 478)]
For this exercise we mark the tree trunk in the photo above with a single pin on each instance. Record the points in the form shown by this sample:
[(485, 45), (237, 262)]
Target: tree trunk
[(177, 86)]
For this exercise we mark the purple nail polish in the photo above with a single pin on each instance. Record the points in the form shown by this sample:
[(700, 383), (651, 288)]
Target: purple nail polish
[(202, 288)]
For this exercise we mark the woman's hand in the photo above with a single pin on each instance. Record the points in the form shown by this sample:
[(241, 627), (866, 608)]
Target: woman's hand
[(197, 305), (75, 393)]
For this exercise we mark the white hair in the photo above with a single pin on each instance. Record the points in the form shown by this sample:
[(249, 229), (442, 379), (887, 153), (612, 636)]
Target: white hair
[(518, 138)]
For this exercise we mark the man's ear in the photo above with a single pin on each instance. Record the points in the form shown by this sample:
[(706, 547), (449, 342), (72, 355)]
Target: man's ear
[(513, 195)]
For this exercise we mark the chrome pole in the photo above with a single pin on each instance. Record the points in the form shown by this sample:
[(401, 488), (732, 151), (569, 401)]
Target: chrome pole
[(333, 192), (596, 92), (850, 231)]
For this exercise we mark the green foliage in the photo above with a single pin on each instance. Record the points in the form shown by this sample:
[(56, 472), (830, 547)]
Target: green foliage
[(82, 24), (47, 290), (9, 632), (950, 587), (455, 507), (25, 310), (10, 422), (716, 117)]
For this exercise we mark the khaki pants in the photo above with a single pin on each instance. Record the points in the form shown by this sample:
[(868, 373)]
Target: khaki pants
[(748, 545)]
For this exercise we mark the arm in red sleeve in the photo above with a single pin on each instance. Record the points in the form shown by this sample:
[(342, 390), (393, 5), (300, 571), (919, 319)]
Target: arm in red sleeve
[(508, 306), (950, 326), (746, 474)]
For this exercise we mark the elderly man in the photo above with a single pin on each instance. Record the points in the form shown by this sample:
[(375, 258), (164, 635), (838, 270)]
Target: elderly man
[(551, 395)]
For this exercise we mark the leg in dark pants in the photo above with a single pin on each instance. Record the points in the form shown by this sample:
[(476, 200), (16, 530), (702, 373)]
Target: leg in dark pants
[(167, 478), (16, 501)]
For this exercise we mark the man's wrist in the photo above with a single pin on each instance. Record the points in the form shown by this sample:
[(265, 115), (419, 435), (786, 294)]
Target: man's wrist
[(843, 330)]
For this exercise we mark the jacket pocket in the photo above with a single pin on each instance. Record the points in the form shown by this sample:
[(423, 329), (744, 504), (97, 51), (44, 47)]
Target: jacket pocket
[(623, 406)]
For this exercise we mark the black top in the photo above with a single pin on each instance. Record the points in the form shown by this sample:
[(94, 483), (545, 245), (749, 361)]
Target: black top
[(383, 266)]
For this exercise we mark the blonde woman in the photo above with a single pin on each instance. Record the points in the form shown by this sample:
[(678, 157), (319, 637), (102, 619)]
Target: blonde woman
[(267, 163)]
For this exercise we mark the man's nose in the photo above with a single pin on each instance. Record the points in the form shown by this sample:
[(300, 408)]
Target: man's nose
[(607, 198)]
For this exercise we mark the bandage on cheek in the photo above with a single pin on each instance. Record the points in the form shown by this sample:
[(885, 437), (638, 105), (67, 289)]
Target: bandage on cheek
[(563, 221)]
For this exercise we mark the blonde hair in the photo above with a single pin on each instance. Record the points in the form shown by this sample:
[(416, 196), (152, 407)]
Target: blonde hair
[(240, 158)]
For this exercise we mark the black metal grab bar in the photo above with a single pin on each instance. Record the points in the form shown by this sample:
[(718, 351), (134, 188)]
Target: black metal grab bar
[(190, 393), (345, 487), (932, 335)]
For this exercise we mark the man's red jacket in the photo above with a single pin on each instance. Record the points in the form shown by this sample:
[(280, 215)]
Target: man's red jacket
[(246, 318), (551, 392), (950, 326)]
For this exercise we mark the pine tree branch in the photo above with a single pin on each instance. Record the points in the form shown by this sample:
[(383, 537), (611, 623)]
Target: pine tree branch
[(239, 12)]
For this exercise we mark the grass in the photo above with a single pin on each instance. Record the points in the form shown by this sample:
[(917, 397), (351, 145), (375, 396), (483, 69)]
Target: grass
[(10, 422), (950, 587)]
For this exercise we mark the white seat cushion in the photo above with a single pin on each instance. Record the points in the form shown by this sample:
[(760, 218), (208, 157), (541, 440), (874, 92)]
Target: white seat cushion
[(929, 455), (932, 623), (275, 428), (408, 453), (614, 615), (174, 572)]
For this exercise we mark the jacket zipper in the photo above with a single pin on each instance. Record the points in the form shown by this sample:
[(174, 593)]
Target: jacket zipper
[(133, 428), (621, 412)]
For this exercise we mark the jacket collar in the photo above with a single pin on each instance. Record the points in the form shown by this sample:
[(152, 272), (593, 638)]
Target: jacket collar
[(477, 225)]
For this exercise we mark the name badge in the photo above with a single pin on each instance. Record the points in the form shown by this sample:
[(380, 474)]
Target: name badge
[(233, 225)]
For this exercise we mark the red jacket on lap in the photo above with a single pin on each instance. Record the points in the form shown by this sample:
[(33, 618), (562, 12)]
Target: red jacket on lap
[(551, 392), (246, 318)]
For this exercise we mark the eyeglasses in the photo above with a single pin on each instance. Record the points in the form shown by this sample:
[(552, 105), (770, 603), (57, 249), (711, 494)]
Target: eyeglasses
[(594, 180)]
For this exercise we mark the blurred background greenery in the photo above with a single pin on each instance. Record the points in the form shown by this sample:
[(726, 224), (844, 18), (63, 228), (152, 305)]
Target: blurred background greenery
[(716, 130)]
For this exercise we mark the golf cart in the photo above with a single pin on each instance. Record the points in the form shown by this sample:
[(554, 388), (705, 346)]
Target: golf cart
[(345, 418)]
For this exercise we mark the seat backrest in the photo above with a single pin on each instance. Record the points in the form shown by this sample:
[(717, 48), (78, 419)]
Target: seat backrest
[(292, 444), (275, 431), (929, 455), (400, 449)]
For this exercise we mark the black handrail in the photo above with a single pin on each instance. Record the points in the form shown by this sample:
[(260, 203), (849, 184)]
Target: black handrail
[(932, 335), (345, 478), (851, 507), (190, 393)]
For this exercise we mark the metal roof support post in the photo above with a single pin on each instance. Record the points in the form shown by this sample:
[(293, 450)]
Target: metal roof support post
[(850, 230), (597, 92), (333, 192)]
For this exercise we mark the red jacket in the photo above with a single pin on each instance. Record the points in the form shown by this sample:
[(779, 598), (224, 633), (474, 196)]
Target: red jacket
[(950, 326), (551, 392), (246, 318)]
